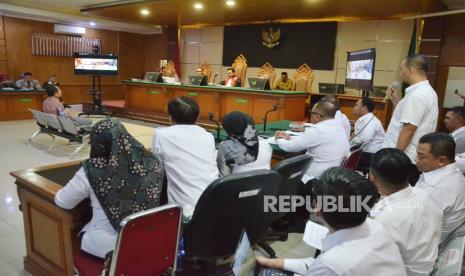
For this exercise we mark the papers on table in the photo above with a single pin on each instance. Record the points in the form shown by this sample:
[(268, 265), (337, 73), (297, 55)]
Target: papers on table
[(314, 234)]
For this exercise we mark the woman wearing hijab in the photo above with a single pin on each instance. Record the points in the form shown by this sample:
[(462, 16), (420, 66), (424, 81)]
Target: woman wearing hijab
[(242, 150), (121, 178)]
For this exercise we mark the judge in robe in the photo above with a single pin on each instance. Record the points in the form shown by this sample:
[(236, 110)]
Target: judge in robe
[(231, 80), (27, 82)]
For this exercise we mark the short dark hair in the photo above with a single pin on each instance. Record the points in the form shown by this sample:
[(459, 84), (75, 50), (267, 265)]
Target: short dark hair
[(232, 69), (419, 62), (442, 144), (27, 74), (326, 109), (343, 183), (392, 166), (52, 75), (51, 90), (284, 73), (183, 110), (368, 103), (332, 100), (459, 111)]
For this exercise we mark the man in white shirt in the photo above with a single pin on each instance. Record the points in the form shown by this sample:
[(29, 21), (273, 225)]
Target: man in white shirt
[(339, 116), (455, 123), (412, 218), (324, 141), (369, 131), (416, 114), (188, 154), (356, 245), (442, 179)]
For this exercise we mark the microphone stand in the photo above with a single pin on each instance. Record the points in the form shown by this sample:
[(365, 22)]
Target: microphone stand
[(275, 107), (211, 117)]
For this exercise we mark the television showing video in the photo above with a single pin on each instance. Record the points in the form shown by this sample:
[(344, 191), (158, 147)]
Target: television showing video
[(360, 69), (95, 64)]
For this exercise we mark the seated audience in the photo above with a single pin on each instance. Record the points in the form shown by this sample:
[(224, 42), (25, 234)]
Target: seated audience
[(52, 80), (442, 179), (27, 82), (242, 150), (188, 154), (369, 131), (455, 123), (341, 117), (325, 141), (121, 178), (413, 220), (284, 83), (355, 245), (53, 105), (231, 79)]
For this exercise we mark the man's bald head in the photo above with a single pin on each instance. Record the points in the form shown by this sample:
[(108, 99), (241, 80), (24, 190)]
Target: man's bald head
[(326, 109)]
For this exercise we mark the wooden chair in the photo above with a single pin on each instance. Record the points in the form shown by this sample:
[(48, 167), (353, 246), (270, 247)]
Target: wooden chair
[(240, 66), (169, 70), (206, 70), (268, 71), (303, 79)]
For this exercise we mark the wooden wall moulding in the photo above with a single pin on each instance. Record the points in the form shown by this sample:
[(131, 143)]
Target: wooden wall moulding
[(46, 44)]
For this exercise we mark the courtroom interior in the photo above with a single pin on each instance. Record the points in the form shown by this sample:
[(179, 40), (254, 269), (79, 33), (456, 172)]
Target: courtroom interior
[(232, 137)]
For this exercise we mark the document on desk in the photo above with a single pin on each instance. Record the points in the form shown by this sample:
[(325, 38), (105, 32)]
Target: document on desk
[(314, 234)]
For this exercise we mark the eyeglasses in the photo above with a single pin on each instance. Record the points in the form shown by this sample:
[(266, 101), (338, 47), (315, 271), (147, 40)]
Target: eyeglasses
[(315, 113)]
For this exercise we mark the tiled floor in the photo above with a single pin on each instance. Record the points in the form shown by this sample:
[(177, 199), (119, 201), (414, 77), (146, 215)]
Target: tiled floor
[(17, 154)]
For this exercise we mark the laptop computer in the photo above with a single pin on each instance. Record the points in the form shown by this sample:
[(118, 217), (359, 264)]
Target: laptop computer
[(153, 77), (330, 88), (244, 263), (197, 80), (259, 83)]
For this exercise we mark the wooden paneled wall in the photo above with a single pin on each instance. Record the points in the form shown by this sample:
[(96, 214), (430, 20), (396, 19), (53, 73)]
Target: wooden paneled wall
[(3, 64), (133, 50), (447, 43)]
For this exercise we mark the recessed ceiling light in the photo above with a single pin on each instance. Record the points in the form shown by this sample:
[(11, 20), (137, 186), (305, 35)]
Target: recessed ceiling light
[(198, 6), (230, 3), (92, 23), (144, 12)]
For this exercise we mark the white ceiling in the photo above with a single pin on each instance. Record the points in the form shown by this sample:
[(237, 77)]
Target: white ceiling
[(68, 12)]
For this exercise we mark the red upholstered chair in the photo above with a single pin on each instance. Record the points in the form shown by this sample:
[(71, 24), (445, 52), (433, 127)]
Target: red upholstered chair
[(352, 159), (147, 244)]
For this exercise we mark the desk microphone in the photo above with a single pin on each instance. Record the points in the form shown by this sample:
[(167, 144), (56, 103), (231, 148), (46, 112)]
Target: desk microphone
[(275, 107), (394, 86), (214, 77), (211, 117)]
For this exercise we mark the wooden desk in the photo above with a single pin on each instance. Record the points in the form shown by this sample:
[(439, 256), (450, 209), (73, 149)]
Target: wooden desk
[(154, 97), (347, 102), (51, 232), (14, 104)]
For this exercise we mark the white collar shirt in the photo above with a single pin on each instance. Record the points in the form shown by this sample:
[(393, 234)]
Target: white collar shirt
[(99, 236), (189, 157), (446, 186), (420, 108), (414, 222), (458, 131), (369, 132), (342, 118), (325, 142), (367, 249)]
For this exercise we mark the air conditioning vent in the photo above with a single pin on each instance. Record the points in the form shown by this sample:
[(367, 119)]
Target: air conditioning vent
[(72, 30)]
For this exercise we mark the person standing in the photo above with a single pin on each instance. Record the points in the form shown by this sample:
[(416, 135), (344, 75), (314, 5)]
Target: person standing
[(416, 114)]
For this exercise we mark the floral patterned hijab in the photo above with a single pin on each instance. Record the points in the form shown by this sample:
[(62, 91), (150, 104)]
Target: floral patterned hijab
[(124, 176), (241, 146)]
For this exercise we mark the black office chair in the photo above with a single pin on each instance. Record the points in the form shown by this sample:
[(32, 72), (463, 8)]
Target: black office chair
[(291, 171), (228, 206)]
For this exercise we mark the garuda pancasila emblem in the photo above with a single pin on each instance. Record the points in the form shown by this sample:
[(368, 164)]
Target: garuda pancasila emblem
[(271, 38)]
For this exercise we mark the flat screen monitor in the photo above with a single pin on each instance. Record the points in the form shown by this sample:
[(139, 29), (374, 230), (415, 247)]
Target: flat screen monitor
[(360, 69), (153, 77), (197, 79), (259, 83), (95, 64)]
